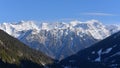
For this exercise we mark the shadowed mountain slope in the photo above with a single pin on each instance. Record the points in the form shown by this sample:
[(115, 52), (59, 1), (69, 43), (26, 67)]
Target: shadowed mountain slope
[(104, 54)]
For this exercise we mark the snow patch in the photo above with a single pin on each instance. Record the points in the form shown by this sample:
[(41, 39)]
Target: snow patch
[(118, 53), (93, 52), (107, 51), (99, 56)]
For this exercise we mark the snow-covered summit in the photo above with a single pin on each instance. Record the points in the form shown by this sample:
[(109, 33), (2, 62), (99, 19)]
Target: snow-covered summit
[(17, 29), (94, 27), (25, 25)]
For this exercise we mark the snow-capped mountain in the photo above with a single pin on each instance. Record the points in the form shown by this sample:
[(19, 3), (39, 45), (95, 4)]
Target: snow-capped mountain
[(104, 54), (113, 28), (58, 40), (18, 29)]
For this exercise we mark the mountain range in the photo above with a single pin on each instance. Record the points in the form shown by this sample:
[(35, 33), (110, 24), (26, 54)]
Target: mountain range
[(59, 40), (72, 45)]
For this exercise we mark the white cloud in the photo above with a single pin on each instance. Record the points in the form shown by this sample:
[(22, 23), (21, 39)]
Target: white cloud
[(97, 14)]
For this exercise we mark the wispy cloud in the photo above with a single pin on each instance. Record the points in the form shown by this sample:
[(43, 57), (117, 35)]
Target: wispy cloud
[(68, 19), (97, 14)]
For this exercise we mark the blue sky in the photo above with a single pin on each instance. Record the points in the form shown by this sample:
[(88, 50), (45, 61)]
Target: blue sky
[(106, 11)]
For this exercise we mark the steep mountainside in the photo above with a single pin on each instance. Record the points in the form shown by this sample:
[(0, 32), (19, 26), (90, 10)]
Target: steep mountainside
[(104, 54), (58, 40), (14, 54)]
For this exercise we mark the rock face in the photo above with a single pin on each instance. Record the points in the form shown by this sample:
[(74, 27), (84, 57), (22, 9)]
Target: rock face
[(104, 54), (58, 40), (15, 54)]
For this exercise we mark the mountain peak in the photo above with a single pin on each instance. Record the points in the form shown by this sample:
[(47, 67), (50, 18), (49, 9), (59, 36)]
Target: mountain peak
[(22, 21), (113, 28), (94, 22), (28, 24), (74, 23)]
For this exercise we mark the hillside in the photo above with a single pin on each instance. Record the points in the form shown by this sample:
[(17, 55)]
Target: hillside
[(15, 54)]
